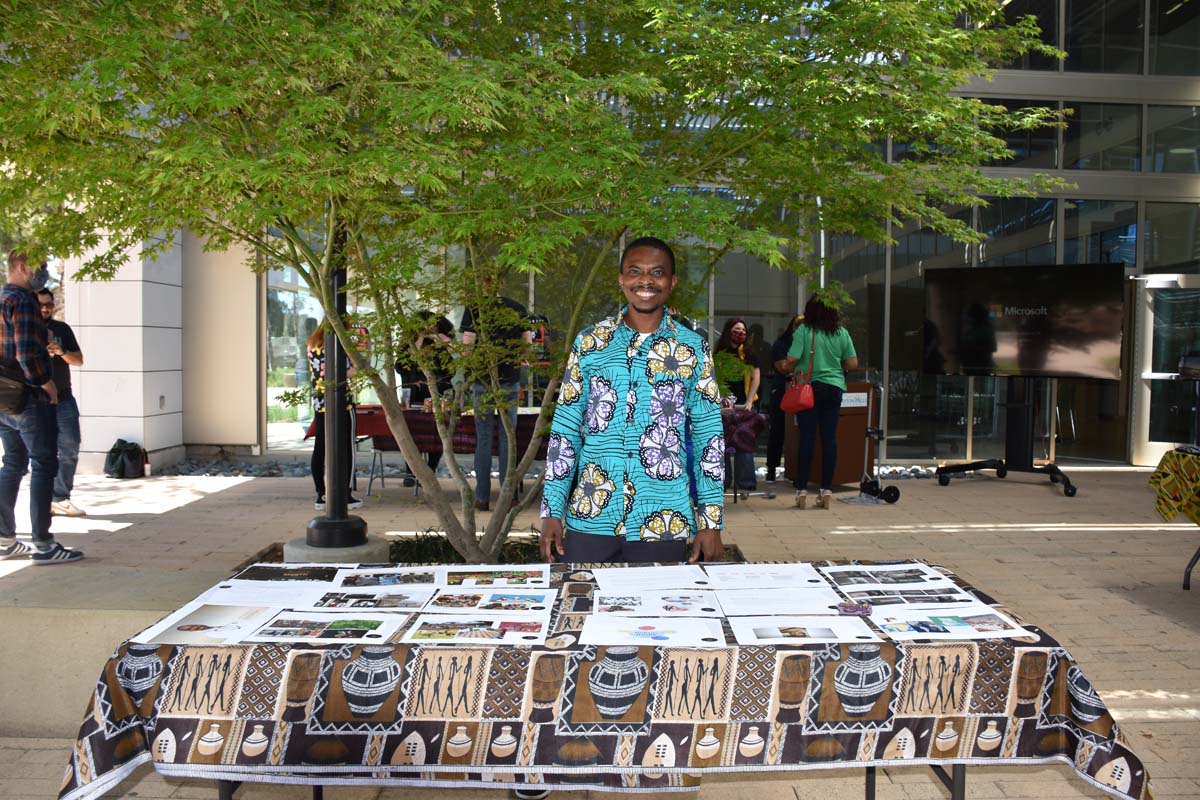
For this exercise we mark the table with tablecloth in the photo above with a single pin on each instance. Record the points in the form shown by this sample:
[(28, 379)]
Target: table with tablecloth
[(1176, 484), (370, 421), (566, 715)]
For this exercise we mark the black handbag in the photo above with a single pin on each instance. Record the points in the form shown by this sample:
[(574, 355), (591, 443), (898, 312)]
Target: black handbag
[(14, 391)]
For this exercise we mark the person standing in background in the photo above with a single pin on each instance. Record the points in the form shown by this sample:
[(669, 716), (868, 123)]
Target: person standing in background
[(414, 379), (29, 435), (779, 380), (64, 353), (316, 366), (821, 344), (734, 341)]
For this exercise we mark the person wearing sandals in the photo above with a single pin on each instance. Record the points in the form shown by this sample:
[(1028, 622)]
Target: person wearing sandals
[(823, 340)]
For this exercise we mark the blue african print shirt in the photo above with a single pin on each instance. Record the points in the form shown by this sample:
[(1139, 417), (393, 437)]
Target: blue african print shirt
[(617, 461)]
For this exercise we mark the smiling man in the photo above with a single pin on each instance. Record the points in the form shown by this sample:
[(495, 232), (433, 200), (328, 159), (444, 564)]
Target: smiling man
[(620, 484)]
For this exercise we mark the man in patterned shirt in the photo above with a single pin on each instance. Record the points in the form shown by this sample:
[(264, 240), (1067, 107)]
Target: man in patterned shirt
[(30, 434), (637, 388)]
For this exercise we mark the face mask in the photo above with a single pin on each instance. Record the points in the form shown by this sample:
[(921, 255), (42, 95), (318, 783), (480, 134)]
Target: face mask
[(737, 337), (38, 279)]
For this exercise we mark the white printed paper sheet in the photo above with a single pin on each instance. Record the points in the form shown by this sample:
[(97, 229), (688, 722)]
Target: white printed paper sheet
[(668, 603), (909, 575), (968, 622), (369, 577), (883, 599), (199, 622), (765, 576), (610, 629), (629, 580), (321, 627), (380, 598), (460, 599), (798, 630), (763, 602), (477, 629), (536, 575)]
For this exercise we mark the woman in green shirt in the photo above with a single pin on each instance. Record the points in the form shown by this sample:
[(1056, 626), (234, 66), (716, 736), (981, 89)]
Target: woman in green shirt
[(832, 351)]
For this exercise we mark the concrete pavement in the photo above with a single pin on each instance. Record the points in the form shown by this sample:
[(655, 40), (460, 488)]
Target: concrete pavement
[(1101, 572)]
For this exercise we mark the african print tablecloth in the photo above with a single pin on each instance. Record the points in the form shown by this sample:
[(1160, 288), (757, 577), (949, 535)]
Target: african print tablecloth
[(574, 716), (1176, 484)]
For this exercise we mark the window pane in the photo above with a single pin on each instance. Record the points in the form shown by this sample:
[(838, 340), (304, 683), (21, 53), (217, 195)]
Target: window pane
[(292, 314), (927, 413), (1174, 133), (1104, 36), (1172, 237), (1176, 331), (1046, 12), (1174, 37), (1020, 231), (1102, 136), (1100, 232), (858, 265), (1032, 149)]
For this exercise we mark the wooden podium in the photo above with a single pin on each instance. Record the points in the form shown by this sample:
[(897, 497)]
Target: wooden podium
[(851, 436)]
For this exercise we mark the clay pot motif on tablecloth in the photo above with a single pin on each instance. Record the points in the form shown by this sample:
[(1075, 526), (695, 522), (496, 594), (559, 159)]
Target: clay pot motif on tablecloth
[(369, 679), (947, 738), (861, 679), (505, 744), (707, 745), (138, 670), (617, 680), (459, 744), (302, 679), (210, 742), (255, 744), (1086, 705), (751, 744), (793, 687), (548, 673), (1031, 674), (989, 739)]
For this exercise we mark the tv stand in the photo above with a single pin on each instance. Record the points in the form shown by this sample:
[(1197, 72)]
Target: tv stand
[(1018, 444)]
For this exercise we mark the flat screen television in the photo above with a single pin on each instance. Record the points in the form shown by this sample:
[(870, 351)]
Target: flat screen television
[(1051, 321)]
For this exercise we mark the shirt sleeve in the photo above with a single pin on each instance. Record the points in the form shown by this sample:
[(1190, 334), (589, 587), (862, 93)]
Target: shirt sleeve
[(566, 439), (707, 464), (69, 343), (802, 341), (848, 346), (30, 339)]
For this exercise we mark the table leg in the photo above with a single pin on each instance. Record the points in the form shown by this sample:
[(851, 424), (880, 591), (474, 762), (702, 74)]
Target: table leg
[(318, 793), (1187, 573), (870, 789), (225, 789), (956, 784)]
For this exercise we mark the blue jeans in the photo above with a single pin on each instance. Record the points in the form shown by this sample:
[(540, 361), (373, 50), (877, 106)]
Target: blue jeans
[(68, 448), (31, 436), (487, 421), (827, 407)]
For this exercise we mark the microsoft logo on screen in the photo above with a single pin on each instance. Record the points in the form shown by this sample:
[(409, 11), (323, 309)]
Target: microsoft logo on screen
[(996, 310)]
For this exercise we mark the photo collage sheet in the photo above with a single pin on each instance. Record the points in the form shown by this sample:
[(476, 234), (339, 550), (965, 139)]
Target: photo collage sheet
[(780, 604), (672, 605), (351, 604)]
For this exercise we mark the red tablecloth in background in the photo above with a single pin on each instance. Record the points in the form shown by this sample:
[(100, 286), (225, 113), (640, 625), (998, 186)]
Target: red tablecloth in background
[(369, 420)]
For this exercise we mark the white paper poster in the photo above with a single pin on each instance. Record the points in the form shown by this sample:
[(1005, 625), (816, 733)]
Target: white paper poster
[(282, 594), (477, 629), (321, 627), (892, 576), (381, 598), (755, 603), (204, 623), (498, 575), (386, 576), (967, 622), (458, 599), (669, 603), (765, 576), (627, 580), (880, 599), (800, 630), (610, 629)]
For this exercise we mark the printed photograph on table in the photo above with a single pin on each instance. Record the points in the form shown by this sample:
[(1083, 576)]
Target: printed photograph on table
[(203, 623), (890, 575), (318, 573), (655, 604), (913, 597), (477, 629), (328, 627), (533, 601), (384, 597), (498, 576), (386, 576), (611, 629), (800, 630), (968, 622)]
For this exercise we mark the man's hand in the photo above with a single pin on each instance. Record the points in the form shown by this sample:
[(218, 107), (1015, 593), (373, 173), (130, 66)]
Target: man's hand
[(51, 391), (552, 538), (54, 348), (706, 547)]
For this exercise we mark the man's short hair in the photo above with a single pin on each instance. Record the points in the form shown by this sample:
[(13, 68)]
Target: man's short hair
[(48, 293), (650, 241), (17, 257)]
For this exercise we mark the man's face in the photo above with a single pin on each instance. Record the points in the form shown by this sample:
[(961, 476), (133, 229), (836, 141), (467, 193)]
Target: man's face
[(646, 279), (46, 305)]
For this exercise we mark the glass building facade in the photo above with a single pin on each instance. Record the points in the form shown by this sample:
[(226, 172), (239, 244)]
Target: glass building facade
[(1130, 85)]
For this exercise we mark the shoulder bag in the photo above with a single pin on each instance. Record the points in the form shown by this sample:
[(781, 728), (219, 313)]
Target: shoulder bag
[(799, 394)]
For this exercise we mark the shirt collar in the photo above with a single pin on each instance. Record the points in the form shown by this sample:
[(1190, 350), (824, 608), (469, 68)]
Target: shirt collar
[(666, 324)]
